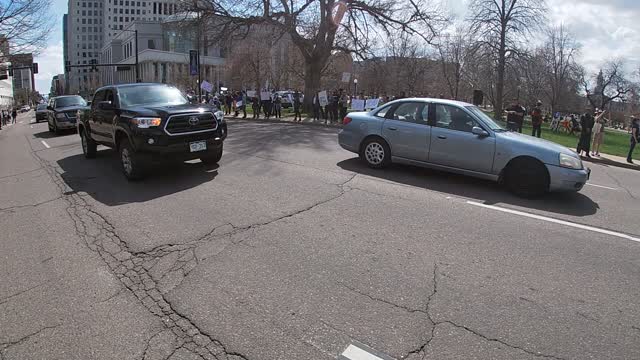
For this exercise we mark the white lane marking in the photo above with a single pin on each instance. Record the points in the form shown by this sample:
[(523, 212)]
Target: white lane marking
[(557, 221), (45, 144), (601, 186), (353, 352)]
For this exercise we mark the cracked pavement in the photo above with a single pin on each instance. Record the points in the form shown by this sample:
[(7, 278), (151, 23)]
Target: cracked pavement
[(291, 249)]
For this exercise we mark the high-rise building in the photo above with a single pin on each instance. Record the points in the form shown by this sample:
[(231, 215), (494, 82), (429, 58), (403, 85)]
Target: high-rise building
[(84, 40), (65, 48), (90, 24)]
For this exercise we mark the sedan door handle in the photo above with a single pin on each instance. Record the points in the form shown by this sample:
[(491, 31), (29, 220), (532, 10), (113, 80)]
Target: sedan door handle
[(392, 128), (442, 137)]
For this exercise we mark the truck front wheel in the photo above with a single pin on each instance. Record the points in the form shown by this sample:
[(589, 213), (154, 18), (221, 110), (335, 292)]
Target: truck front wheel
[(213, 157), (131, 165), (89, 147)]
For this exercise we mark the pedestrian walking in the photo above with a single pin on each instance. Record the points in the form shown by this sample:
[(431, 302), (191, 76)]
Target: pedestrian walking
[(333, 106), (266, 107), (598, 133), (297, 104), (277, 106), (228, 103), (635, 137), (256, 107), (240, 102), (316, 108), (515, 116), (343, 102), (586, 125), (536, 119), (14, 115)]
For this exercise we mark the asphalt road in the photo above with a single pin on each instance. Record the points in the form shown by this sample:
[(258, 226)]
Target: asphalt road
[(292, 249)]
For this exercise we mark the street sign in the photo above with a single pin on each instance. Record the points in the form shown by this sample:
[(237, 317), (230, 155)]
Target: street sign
[(372, 103), (346, 77), (123, 68), (194, 64), (357, 104)]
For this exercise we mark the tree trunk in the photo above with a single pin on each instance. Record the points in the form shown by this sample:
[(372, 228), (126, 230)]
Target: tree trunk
[(500, 81), (312, 77)]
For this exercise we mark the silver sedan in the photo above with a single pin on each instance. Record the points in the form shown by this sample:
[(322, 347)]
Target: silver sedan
[(459, 137)]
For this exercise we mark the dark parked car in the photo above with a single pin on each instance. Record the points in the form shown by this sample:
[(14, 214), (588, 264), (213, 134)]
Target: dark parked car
[(41, 112), (147, 123), (62, 112)]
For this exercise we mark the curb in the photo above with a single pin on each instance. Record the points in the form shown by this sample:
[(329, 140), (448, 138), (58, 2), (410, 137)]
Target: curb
[(609, 162)]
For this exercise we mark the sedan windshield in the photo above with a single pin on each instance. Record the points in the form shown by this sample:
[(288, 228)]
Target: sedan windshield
[(41, 107), (485, 118), (150, 95), (70, 101)]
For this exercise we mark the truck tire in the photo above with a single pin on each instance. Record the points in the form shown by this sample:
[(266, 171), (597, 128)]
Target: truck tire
[(131, 164), (212, 158), (89, 147)]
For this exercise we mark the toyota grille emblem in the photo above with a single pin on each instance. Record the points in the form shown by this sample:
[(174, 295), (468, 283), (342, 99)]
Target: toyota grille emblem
[(193, 120)]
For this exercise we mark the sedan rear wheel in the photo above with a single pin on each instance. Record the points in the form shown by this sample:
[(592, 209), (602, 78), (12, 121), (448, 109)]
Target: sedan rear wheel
[(376, 153)]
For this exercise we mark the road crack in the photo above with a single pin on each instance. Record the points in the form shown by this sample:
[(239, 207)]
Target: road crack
[(17, 207), (8, 298), (7, 345)]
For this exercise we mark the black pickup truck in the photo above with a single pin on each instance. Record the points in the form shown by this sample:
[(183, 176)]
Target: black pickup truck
[(147, 123)]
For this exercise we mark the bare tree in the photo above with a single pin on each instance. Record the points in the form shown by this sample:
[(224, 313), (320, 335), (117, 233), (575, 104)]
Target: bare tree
[(610, 84), (559, 52), (500, 24), (318, 28), (24, 26), (454, 51)]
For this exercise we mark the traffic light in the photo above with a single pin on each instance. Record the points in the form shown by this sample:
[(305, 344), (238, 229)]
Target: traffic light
[(35, 68), (67, 66)]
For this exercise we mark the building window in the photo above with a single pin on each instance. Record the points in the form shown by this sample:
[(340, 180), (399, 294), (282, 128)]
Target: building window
[(84, 21), (137, 11), (126, 11), (154, 8), (126, 19)]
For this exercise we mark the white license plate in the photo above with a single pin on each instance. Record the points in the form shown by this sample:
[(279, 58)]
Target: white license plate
[(198, 146)]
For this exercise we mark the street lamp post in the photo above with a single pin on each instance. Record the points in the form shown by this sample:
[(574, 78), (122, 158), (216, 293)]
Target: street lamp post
[(355, 84), (136, 49)]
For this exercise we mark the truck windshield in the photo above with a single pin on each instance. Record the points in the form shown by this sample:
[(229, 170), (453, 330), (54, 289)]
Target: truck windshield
[(70, 101), (150, 95)]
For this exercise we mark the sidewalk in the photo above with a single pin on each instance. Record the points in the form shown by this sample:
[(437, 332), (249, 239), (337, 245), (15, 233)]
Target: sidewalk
[(289, 119), (612, 160)]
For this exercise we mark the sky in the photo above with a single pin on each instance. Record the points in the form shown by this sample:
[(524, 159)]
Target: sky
[(606, 29)]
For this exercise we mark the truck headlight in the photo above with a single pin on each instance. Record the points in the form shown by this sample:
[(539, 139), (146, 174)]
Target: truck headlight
[(61, 116), (570, 162), (146, 122)]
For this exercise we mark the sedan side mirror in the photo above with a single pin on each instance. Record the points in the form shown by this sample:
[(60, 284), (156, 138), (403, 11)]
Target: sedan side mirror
[(479, 131), (105, 105)]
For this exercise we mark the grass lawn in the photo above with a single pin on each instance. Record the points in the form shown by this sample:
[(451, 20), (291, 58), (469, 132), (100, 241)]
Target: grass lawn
[(615, 142)]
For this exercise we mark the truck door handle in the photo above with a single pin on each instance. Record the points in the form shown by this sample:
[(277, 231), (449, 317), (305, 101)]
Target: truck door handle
[(442, 137), (392, 128)]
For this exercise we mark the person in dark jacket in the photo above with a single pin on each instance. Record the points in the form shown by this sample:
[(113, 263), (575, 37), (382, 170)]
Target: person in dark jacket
[(635, 137), (586, 124), (297, 105), (515, 116), (256, 107), (14, 115)]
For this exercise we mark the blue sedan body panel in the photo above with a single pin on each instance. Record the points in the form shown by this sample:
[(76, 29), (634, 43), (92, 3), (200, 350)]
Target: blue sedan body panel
[(459, 151)]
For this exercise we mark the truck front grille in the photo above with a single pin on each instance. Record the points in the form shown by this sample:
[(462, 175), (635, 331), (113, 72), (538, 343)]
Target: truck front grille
[(190, 123)]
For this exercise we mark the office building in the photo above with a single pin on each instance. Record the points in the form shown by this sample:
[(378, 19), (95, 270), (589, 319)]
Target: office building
[(163, 54), (90, 24)]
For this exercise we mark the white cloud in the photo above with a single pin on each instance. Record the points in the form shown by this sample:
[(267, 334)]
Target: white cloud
[(50, 63)]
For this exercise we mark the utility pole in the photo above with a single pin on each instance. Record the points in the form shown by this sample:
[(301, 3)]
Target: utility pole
[(137, 63), (198, 34)]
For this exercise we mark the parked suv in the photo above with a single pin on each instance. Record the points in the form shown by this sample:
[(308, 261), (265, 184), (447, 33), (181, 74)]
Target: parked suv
[(62, 112), (149, 123), (41, 112)]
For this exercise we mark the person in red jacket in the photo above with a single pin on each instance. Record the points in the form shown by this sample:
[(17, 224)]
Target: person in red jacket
[(536, 119)]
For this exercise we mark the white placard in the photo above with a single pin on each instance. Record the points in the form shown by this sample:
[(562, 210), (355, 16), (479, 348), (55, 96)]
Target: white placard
[(357, 104), (324, 100), (346, 77), (265, 95), (206, 86), (239, 103), (372, 103), (251, 93)]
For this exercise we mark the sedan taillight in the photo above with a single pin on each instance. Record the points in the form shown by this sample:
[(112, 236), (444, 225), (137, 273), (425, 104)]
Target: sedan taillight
[(346, 120)]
